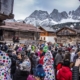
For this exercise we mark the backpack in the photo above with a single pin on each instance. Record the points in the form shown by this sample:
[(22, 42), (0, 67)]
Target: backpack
[(30, 77)]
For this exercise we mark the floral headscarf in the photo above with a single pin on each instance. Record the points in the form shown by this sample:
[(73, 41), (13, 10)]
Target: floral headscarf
[(5, 63), (48, 66)]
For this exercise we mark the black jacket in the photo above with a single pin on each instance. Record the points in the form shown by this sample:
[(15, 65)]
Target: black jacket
[(75, 73), (20, 75)]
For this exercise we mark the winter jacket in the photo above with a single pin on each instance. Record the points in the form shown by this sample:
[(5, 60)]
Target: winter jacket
[(64, 74), (20, 75), (59, 66), (54, 53), (58, 58), (23, 70), (34, 61), (41, 60), (13, 65), (72, 57), (75, 73), (25, 65)]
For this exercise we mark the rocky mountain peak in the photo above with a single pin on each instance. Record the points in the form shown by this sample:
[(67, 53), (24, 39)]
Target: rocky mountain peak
[(57, 16), (64, 14), (55, 11), (39, 14), (78, 9), (76, 13)]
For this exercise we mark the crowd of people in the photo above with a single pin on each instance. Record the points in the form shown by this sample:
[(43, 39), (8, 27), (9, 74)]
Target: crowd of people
[(39, 62)]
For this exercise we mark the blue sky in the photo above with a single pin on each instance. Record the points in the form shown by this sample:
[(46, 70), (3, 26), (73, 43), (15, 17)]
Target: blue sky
[(23, 8)]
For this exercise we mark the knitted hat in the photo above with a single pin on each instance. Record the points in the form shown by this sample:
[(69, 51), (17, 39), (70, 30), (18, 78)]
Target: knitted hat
[(45, 49), (39, 71), (66, 63)]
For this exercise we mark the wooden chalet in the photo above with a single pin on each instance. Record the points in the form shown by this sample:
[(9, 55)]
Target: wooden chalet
[(48, 34), (68, 35), (22, 30)]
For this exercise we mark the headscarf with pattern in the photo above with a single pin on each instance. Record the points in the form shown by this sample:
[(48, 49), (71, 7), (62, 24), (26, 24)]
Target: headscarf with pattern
[(48, 66), (5, 63)]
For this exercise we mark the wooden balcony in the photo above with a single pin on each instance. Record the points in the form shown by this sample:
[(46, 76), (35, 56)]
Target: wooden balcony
[(67, 34)]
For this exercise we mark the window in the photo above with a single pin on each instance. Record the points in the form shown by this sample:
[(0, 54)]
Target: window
[(41, 38), (44, 38)]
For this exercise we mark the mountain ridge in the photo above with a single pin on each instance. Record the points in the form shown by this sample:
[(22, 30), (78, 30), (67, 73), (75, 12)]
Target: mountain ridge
[(43, 18)]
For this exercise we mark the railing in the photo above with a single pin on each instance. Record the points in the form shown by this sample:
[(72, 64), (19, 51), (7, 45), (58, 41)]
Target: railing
[(70, 34)]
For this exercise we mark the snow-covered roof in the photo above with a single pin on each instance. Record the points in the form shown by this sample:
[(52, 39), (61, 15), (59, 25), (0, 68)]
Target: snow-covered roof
[(49, 29), (19, 26), (76, 30)]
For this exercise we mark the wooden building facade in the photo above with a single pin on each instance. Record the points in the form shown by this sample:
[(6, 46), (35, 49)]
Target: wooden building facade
[(22, 30), (68, 35), (47, 34)]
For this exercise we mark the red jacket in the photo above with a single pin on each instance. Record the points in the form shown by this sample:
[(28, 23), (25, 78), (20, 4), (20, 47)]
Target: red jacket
[(64, 74), (59, 66), (41, 60)]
